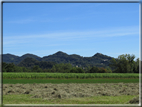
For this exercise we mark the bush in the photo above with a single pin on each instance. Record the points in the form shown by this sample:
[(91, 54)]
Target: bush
[(80, 70), (102, 70), (77, 70), (36, 69), (94, 69), (108, 70), (73, 70)]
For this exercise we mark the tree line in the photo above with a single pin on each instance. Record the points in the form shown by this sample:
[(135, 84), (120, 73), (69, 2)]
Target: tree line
[(124, 64)]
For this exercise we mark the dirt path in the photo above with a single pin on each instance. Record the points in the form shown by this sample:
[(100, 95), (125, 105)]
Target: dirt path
[(61, 91)]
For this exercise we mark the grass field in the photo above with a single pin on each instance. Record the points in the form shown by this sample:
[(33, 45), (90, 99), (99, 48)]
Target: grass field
[(49, 93), (58, 78), (25, 99), (13, 78), (68, 75), (58, 81)]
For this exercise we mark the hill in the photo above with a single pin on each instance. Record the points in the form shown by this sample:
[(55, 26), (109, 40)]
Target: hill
[(98, 59), (9, 58)]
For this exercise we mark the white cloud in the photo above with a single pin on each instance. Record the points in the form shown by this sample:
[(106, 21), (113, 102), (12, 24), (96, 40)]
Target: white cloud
[(21, 21), (71, 35)]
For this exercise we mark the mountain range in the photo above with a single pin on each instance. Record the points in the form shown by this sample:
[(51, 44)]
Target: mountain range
[(98, 59)]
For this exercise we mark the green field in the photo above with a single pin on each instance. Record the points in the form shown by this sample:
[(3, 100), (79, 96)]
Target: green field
[(58, 78), (25, 99), (59, 81), (68, 75), (13, 78)]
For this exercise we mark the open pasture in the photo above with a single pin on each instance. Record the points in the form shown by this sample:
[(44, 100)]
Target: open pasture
[(113, 93), (70, 88)]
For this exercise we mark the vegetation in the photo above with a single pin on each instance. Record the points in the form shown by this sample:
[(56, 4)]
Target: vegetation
[(94, 93), (28, 60), (66, 81), (56, 68), (62, 68), (123, 64), (67, 76), (25, 99)]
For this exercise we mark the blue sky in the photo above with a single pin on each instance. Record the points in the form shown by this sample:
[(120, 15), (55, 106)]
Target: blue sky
[(74, 28)]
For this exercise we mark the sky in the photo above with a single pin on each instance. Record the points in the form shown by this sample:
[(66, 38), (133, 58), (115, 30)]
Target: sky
[(74, 28)]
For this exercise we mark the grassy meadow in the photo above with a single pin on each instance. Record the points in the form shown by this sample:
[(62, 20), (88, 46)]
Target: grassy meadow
[(59, 81), (25, 99), (68, 75), (58, 78), (13, 78)]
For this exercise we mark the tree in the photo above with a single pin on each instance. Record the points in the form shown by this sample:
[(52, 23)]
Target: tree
[(18, 69), (113, 64), (36, 69), (136, 66), (80, 70), (108, 70), (4, 66), (24, 69), (94, 69), (53, 69), (131, 62), (64, 68), (73, 70), (10, 67), (77, 70), (4, 70), (87, 69), (102, 70), (124, 64)]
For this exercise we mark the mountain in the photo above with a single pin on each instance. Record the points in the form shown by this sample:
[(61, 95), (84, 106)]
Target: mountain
[(29, 56), (31, 62), (98, 59), (9, 58), (59, 57)]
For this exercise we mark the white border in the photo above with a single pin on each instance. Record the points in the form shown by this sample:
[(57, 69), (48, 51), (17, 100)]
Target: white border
[(74, 1)]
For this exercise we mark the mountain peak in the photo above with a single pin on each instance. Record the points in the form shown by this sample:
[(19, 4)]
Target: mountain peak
[(60, 53), (29, 55), (62, 57), (8, 54), (98, 54)]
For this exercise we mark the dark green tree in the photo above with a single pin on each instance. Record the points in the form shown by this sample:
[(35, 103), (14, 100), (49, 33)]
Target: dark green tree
[(80, 70), (73, 70), (94, 69), (87, 69), (108, 70), (18, 69), (124, 64), (36, 69), (4, 66), (102, 70), (62, 68), (10, 68), (136, 66)]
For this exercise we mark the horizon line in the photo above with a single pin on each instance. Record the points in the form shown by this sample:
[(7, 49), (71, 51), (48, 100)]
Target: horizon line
[(64, 53)]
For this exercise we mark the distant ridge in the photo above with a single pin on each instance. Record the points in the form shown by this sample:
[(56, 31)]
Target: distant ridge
[(97, 59)]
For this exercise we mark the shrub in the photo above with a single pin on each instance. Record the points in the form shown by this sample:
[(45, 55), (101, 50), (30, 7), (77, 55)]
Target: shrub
[(94, 69)]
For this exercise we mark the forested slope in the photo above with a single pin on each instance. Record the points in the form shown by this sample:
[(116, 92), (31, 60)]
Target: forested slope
[(98, 59)]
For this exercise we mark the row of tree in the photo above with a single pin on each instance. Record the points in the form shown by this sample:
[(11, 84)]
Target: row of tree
[(57, 68), (123, 64)]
